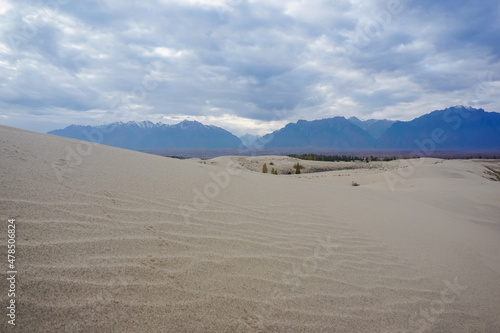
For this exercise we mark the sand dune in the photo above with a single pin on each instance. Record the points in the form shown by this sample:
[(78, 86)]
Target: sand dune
[(110, 240)]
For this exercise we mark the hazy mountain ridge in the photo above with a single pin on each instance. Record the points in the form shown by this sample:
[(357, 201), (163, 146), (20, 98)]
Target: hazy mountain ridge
[(250, 140), (335, 132), (455, 128), (147, 135), (376, 127)]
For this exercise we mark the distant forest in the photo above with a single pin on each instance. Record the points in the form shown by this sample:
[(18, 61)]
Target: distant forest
[(339, 158)]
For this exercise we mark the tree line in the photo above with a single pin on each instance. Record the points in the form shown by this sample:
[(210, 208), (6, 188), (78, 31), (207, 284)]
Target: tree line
[(339, 158)]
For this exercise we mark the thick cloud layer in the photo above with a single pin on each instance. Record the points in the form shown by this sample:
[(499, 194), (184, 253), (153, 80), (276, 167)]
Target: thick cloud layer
[(246, 65)]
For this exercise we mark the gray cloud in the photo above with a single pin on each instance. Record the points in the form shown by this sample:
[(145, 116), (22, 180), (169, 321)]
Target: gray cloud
[(242, 64)]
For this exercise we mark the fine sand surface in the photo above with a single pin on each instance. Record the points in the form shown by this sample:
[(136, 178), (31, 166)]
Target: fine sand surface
[(110, 240)]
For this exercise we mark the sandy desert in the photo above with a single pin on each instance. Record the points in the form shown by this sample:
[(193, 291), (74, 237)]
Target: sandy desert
[(112, 240)]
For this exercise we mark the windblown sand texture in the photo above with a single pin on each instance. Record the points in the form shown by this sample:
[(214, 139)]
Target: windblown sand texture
[(125, 242)]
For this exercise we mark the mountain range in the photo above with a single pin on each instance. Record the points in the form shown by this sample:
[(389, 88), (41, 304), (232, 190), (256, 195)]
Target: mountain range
[(457, 128), (147, 135), (337, 133)]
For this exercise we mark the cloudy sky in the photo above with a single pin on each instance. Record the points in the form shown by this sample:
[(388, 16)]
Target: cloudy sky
[(249, 66)]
